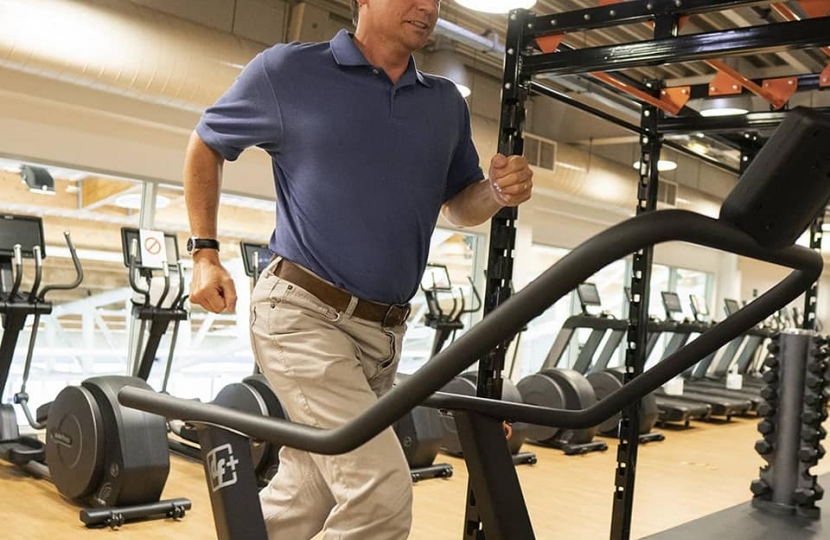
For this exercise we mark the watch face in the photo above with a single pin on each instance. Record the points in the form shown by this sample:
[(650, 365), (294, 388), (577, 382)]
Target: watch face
[(189, 245)]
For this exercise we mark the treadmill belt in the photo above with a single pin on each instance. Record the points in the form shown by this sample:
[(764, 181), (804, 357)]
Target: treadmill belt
[(744, 522)]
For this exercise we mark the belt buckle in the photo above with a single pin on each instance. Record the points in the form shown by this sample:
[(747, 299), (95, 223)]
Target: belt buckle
[(396, 315)]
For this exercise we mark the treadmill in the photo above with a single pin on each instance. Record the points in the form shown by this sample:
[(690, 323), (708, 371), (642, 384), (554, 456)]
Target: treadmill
[(747, 357), (721, 405), (696, 377), (604, 326)]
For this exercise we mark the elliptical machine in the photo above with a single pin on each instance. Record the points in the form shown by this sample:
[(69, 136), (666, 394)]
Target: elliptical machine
[(437, 283), (97, 453), (159, 308)]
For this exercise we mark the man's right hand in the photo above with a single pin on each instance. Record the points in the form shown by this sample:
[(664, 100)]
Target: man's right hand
[(212, 286)]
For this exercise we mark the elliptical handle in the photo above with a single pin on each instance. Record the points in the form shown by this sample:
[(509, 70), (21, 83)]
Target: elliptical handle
[(79, 271), (38, 273), (475, 295), (165, 270), (178, 303), (132, 272), (18, 270)]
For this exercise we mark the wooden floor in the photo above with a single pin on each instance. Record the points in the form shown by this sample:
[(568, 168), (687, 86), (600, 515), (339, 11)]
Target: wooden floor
[(693, 473)]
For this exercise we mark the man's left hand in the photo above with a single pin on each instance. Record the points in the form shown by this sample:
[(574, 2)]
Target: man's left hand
[(511, 180)]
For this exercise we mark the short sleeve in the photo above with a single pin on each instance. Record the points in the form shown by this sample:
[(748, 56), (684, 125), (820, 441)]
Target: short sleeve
[(246, 115), (465, 168)]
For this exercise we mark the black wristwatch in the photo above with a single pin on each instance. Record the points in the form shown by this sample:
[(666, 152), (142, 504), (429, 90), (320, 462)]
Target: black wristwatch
[(194, 244)]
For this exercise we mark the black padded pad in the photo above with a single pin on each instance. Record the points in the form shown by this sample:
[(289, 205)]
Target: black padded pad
[(787, 184)]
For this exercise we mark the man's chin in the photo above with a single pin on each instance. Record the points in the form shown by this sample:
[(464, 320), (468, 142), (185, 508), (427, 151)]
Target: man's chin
[(418, 44)]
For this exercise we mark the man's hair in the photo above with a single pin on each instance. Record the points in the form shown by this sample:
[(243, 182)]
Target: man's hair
[(355, 12)]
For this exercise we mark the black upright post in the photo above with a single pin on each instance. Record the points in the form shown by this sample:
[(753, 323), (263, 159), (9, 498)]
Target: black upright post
[(811, 295), (502, 228), (651, 143), (503, 224), (234, 499), (14, 321)]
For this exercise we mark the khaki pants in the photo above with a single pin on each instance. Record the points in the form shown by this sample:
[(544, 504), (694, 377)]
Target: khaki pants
[(327, 367)]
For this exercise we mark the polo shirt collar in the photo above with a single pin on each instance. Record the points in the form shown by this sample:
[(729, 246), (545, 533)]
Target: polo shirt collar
[(346, 53)]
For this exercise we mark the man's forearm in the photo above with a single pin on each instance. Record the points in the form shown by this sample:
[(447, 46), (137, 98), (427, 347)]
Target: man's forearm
[(473, 206), (202, 184)]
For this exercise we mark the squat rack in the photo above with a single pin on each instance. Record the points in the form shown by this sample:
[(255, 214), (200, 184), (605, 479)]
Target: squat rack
[(534, 46)]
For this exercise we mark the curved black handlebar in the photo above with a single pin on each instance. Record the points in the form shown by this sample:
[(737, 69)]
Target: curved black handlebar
[(165, 272), (18, 270), (178, 303), (38, 273), (79, 271), (475, 295), (132, 272), (508, 319)]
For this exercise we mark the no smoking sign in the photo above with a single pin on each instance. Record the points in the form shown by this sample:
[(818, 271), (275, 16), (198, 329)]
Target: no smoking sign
[(153, 252)]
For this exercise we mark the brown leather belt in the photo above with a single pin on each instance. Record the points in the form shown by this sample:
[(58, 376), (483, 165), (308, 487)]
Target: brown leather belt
[(386, 314)]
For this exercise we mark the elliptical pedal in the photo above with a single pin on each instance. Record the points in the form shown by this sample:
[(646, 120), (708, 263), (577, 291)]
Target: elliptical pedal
[(22, 451)]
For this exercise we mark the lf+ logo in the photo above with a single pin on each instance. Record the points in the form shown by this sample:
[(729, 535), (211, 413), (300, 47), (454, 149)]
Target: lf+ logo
[(222, 467)]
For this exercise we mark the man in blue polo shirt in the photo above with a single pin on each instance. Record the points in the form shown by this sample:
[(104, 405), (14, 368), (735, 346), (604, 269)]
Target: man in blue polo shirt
[(366, 152)]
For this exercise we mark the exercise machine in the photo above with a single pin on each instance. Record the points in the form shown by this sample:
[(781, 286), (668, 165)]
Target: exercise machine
[(746, 351), (682, 333), (699, 379), (608, 331), (500, 510), (421, 431), (97, 452), (156, 305), (437, 286), (558, 387)]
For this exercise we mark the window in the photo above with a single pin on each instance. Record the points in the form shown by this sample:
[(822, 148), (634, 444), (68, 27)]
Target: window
[(536, 340), (457, 254), (691, 283)]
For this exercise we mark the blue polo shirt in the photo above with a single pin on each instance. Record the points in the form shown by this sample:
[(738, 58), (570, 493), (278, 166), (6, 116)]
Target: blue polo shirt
[(361, 165)]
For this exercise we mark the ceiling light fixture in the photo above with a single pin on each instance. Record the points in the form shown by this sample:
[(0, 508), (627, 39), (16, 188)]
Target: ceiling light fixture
[(663, 165), (496, 6), (725, 106)]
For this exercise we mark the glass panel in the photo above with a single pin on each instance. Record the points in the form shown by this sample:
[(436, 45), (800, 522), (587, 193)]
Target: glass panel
[(535, 342), (453, 257), (660, 275), (609, 282), (693, 283)]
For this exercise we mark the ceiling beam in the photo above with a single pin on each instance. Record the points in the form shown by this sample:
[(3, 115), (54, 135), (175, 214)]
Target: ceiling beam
[(97, 192)]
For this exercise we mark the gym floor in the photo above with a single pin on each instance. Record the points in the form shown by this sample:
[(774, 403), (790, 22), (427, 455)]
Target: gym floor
[(693, 473)]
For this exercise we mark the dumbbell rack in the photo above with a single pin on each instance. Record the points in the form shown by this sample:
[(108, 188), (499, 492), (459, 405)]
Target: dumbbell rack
[(793, 410)]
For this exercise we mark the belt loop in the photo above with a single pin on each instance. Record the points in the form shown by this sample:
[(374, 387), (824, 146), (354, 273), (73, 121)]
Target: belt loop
[(351, 307), (273, 264)]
